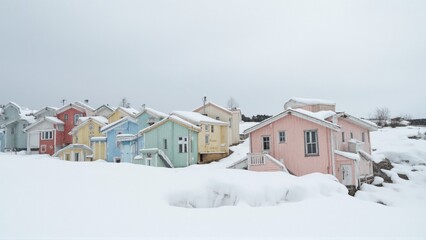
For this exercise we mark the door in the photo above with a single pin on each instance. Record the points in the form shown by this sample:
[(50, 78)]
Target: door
[(126, 155), (346, 171), (76, 157), (266, 144)]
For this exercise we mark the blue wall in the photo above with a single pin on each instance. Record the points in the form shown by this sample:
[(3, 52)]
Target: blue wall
[(125, 128)]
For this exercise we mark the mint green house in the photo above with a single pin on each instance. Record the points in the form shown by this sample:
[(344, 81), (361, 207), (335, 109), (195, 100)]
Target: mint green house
[(148, 116), (171, 142)]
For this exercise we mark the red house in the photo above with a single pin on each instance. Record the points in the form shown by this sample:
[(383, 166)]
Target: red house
[(69, 114)]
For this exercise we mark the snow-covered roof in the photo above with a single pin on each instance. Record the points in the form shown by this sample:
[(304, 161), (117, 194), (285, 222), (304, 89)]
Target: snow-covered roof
[(353, 156), (126, 137), (172, 118), (53, 120), (73, 146), (317, 118), (308, 101), (98, 139), (197, 118), (100, 119), (77, 105), (105, 106), (117, 123), (358, 121), (86, 106), (45, 109), (152, 112), (215, 105), (321, 115), (83, 123), (131, 111)]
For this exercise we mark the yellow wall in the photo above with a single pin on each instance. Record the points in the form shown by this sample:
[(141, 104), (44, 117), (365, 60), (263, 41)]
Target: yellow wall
[(218, 139), (71, 154), (117, 115), (233, 118), (99, 150), (83, 135)]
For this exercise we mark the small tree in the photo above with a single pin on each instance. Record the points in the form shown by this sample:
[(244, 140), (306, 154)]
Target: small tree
[(382, 115), (232, 104)]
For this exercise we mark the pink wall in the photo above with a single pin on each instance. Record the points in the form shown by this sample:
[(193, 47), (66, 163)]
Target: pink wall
[(348, 127), (339, 161), (293, 151)]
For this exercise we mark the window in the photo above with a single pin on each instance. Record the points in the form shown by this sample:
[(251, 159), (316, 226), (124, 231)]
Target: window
[(212, 128), (363, 137), (12, 131), (46, 135), (67, 156), (281, 137), (230, 122), (207, 139), (207, 128), (91, 126), (66, 116), (343, 137), (165, 144), (352, 135), (76, 117), (311, 143), (217, 118), (183, 144), (266, 143), (43, 148)]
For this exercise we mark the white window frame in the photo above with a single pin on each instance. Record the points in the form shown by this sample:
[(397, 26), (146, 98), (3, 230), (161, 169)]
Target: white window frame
[(309, 142), (343, 137), (207, 139), (183, 144), (43, 148), (207, 128), (281, 137), (263, 143), (47, 135)]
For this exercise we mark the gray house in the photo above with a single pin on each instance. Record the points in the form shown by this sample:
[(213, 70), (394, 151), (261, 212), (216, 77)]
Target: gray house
[(13, 120)]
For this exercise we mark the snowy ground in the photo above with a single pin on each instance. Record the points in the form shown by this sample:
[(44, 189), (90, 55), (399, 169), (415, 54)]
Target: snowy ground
[(46, 198)]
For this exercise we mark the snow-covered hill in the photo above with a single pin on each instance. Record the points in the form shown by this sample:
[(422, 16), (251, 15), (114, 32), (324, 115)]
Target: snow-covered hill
[(46, 198)]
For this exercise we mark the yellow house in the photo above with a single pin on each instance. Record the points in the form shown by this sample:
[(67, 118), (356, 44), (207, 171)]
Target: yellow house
[(88, 128), (122, 112), (213, 142), (75, 152), (99, 147), (231, 116)]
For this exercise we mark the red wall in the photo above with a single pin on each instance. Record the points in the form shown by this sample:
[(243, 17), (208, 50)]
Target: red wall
[(50, 144), (69, 124)]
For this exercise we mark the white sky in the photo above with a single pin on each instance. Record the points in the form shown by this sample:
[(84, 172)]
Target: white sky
[(362, 54)]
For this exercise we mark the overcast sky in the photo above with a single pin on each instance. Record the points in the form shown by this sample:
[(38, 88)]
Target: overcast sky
[(361, 54)]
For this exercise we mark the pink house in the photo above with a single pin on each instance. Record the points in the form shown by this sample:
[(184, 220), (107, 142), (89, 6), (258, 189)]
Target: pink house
[(309, 136)]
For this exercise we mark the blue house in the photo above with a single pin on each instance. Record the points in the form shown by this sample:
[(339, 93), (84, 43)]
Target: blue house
[(114, 133), (1, 140), (13, 120)]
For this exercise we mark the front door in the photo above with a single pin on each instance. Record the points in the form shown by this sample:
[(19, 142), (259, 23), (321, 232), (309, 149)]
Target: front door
[(346, 171), (76, 157), (266, 144)]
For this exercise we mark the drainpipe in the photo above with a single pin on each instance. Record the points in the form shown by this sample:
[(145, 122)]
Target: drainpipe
[(54, 141), (332, 153)]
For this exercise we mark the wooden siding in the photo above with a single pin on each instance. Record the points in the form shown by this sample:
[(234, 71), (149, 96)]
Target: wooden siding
[(233, 118), (69, 124), (348, 127), (339, 161), (172, 131), (293, 150), (218, 139), (83, 135), (99, 150)]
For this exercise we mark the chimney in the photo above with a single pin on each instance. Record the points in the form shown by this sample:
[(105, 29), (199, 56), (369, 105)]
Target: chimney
[(86, 101), (143, 107)]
